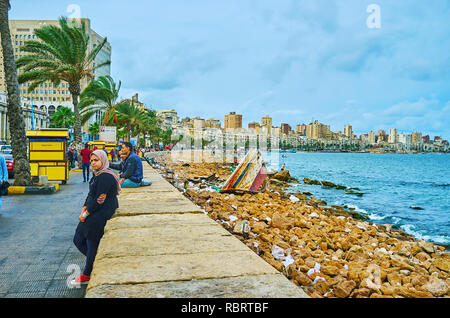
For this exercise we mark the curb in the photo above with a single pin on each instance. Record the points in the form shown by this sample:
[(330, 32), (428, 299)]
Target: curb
[(43, 189), (76, 170)]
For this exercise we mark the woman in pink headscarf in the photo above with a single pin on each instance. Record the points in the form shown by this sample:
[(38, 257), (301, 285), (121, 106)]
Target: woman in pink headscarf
[(100, 205)]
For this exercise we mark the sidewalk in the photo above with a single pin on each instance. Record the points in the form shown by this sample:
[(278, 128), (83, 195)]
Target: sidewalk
[(36, 246), (160, 244)]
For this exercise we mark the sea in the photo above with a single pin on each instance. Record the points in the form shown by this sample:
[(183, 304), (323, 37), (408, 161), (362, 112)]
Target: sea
[(391, 184)]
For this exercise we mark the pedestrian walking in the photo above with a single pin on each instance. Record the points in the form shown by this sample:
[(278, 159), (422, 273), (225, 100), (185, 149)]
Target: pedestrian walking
[(100, 205), (75, 159), (85, 157), (70, 158), (112, 154)]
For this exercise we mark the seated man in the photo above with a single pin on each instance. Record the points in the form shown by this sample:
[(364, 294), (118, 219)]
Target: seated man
[(131, 172)]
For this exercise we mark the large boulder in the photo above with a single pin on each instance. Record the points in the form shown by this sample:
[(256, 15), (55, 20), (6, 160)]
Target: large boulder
[(436, 286), (312, 182), (284, 175), (282, 222)]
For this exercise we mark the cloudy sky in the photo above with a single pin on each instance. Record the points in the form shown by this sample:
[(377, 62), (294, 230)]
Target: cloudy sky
[(296, 60)]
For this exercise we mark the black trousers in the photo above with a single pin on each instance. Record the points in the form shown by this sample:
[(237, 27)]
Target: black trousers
[(88, 248)]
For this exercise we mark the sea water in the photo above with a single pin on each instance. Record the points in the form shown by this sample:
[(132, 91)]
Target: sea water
[(391, 184)]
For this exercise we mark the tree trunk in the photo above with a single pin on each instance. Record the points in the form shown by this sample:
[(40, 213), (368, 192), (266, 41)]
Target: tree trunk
[(75, 91), (22, 174)]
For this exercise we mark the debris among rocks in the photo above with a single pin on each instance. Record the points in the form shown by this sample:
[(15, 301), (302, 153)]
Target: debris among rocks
[(328, 251)]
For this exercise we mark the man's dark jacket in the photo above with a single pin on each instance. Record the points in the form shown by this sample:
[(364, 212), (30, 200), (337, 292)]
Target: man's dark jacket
[(131, 168)]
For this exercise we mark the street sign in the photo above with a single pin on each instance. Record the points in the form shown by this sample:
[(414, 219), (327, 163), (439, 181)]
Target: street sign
[(107, 134)]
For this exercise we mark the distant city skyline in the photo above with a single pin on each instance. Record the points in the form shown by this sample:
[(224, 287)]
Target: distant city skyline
[(298, 61)]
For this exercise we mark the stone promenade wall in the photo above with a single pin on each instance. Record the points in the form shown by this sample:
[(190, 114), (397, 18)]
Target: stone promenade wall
[(160, 244)]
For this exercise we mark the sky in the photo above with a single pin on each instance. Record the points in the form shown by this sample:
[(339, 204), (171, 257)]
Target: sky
[(295, 60)]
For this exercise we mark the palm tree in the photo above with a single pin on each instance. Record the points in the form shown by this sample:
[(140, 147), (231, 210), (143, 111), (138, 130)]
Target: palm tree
[(62, 118), (61, 55), (100, 96), (94, 129), (130, 117), (14, 113)]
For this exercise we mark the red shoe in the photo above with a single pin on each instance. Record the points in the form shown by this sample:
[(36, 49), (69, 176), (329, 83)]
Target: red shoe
[(81, 280)]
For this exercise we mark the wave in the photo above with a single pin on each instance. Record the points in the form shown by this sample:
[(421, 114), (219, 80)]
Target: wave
[(376, 217), (356, 208), (439, 239)]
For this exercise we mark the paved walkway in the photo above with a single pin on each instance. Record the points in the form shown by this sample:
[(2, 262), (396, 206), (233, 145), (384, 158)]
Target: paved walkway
[(36, 246), (160, 244)]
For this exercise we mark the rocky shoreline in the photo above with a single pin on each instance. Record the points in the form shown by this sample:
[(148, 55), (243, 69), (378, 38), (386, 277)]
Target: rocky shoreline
[(327, 251)]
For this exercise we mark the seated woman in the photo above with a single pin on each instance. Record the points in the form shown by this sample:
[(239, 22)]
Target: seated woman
[(131, 171), (100, 205)]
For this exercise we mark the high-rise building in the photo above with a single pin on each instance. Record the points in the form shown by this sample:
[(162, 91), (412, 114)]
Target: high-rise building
[(348, 131), (371, 137), (169, 118), (254, 126), (393, 136), (266, 123), (301, 129), (382, 137), (48, 97), (404, 139), (199, 124), (317, 130), (213, 123), (285, 129), (232, 121), (416, 137)]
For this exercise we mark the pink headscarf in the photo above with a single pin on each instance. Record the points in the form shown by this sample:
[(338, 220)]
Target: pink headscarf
[(101, 155)]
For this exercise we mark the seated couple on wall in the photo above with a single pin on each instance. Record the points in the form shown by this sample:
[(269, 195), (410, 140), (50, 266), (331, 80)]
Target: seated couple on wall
[(131, 172)]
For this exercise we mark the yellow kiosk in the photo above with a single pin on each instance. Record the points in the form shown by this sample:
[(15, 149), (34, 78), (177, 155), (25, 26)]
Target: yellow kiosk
[(97, 143), (108, 147), (48, 153)]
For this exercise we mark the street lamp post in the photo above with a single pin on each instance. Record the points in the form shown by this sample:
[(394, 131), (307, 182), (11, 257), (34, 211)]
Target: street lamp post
[(32, 114)]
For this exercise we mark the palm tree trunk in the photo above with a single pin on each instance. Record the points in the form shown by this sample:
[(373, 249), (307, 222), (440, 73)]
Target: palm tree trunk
[(14, 113), (75, 91)]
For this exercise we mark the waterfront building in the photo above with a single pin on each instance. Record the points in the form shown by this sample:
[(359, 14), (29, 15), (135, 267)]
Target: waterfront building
[(233, 122), (254, 126), (300, 130), (393, 136), (416, 137), (404, 139), (276, 131), (371, 137), (48, 97), (348, 131), (316, 130), (199, 124), (34, 118), (266, 122), (285, 129), (213, 123), (169, 118), (381, 136)]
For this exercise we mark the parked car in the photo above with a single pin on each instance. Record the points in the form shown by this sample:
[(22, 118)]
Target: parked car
[(9, 165), (7, 149)]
